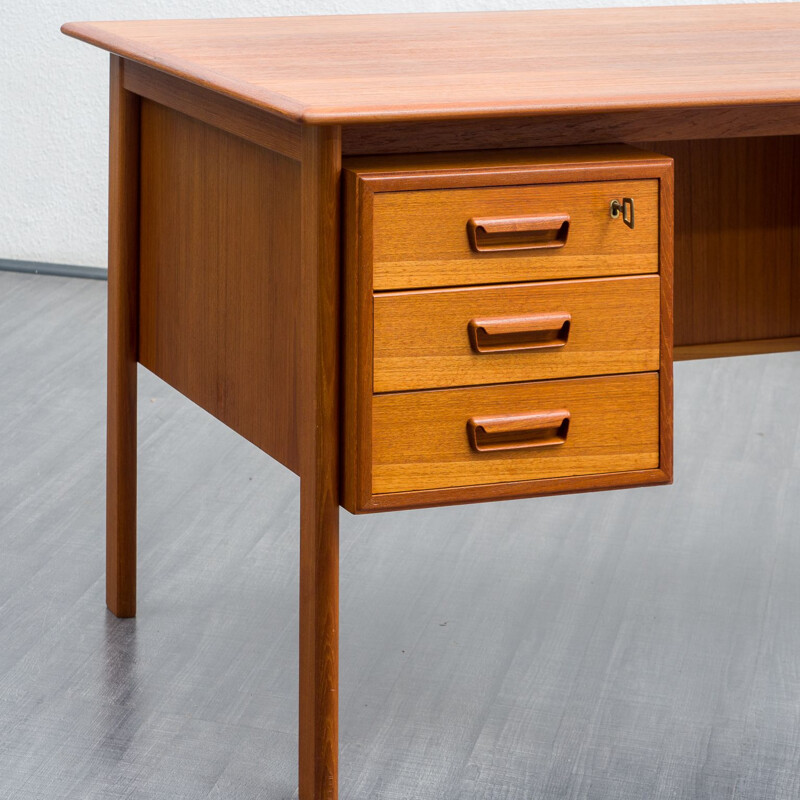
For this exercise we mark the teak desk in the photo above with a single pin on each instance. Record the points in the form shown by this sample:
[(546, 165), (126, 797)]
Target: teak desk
[(428, 259)]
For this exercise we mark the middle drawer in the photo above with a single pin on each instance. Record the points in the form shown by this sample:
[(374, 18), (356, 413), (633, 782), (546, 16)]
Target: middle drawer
[(500, 334)]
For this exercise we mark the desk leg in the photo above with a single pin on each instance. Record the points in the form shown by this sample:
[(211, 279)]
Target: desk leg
[(319, 459), (123, 290), (319, 643)]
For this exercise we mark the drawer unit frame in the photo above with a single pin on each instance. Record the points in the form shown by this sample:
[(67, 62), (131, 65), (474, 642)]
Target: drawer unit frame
[(363, 179)]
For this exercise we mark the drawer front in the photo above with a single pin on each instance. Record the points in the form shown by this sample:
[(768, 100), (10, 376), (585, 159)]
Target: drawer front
[(517, 432), (502, 334), (504, 234)]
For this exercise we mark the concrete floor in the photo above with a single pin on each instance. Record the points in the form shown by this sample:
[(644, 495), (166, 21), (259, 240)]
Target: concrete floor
[(632, 645)]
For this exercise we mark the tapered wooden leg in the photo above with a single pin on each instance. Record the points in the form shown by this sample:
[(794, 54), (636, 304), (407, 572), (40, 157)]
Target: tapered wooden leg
[(319, 457), (123, 260), (319, 645)]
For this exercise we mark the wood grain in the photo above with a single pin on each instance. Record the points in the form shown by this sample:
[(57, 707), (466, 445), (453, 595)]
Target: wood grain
[(749, 348), (219, 275), (420, 441), (737, 239), (504, 167), (420, 238), (358, 337), (318, 400), (257, 126), (666, 319), (421, 338), (648, 125), (334, 70), (123, 307)]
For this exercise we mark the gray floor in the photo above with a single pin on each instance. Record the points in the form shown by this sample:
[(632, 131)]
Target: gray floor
[(639, 644)]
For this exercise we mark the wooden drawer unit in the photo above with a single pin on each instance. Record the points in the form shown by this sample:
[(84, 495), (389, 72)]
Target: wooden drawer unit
[(508, 325)]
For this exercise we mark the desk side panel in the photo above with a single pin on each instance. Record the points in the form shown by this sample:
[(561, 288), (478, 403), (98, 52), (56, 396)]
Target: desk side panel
[(219, 275)]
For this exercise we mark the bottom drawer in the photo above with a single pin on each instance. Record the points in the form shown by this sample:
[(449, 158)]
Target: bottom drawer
[(514, 432)]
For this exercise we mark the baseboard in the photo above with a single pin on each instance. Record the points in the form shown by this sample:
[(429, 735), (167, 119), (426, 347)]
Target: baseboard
[(44, 268)]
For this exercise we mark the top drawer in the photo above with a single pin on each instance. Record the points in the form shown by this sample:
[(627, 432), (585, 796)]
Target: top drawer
[(502, 234)]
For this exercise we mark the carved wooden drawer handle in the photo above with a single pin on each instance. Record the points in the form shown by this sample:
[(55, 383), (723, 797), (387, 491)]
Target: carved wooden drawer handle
[(518, 431), (528, 332), (494, 234)]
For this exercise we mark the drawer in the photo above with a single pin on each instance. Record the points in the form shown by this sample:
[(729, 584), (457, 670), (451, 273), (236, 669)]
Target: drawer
[(454, 237), (502, 334), (515, 432)]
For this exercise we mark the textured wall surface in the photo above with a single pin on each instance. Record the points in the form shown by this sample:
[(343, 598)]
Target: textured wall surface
[(53, 110)]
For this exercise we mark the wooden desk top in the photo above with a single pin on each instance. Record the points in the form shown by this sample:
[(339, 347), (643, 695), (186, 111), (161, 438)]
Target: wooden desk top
[(389, 68)]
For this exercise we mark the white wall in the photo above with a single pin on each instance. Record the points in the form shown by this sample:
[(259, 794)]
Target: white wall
[(53, 109)]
